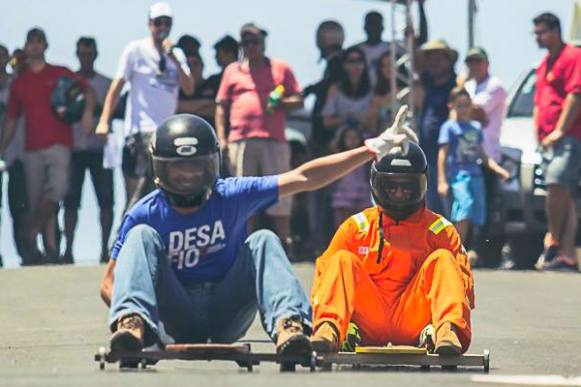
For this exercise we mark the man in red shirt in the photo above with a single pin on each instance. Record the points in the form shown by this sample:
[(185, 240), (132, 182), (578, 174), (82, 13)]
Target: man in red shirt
[(48, 138), (256, 142), (558, 125)]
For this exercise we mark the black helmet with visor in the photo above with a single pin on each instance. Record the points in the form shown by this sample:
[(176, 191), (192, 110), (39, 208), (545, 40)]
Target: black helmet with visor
[(185, 157), (399, 182)]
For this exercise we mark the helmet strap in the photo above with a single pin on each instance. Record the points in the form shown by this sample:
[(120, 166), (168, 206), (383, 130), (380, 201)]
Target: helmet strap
[(381, 238)]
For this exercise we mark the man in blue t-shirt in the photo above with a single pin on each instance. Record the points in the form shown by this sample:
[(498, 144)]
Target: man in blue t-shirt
[(183, 257)]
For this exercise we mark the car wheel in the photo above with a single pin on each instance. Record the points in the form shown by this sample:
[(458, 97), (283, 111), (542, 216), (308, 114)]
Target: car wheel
[(490, 251), (525, 249)]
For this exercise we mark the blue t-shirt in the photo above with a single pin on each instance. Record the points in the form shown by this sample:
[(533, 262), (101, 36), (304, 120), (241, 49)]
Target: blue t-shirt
[(202, 246), (463, 139)]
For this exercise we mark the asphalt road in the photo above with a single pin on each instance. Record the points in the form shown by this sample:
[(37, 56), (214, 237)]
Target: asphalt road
[(52, 322)]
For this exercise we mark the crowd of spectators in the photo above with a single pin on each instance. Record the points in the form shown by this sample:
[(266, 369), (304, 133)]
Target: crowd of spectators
[(458, 120)]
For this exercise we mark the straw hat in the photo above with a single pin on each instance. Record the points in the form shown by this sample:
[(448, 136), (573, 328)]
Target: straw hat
[(440, 45)]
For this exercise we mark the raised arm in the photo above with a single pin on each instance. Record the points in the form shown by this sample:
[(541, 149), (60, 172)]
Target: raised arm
[(323, 171)]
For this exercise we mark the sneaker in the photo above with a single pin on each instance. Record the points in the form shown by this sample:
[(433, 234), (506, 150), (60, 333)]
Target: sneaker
[(561, 263), (548, 255), (447, 341), (507, 264), (129, 334), (325, 339), (352, 338), (291, 339)]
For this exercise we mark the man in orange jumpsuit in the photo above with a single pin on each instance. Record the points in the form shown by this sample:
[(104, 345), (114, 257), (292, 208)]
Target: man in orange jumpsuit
[(394, 269)]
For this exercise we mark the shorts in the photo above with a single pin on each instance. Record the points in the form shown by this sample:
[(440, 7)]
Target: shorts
[(562, 164), (47, 174), (102, 179), (136, 155), (262, 157), (468, 198)]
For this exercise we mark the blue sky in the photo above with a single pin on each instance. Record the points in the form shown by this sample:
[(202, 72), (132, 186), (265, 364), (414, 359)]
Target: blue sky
[(504, 28)]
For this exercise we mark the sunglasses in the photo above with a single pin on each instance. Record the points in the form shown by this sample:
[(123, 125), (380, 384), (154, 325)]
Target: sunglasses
[(354, 61), (405, 187), (158, 22), (162, 65), (250, 42)]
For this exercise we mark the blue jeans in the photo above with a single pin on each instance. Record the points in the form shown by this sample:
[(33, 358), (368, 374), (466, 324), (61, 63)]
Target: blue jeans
[(261, 278)]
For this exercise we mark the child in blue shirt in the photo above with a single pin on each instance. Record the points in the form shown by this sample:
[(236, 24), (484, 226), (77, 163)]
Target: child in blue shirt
[(460, 161)]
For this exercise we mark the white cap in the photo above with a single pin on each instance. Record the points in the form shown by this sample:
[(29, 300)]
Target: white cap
[(159, 10)]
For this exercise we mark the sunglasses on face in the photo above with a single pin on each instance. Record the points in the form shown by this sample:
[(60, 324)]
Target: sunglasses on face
[(354, 61), (406, 187), (162, 65), (250, 42), (158, 22)]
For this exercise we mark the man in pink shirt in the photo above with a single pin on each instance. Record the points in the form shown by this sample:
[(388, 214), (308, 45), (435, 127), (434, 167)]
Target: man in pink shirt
[(256, 144)]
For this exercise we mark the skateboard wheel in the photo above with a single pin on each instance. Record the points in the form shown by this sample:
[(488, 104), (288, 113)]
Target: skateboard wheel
[(449, 368), (249, 366), (287, 367), (101, 357), (425, 367), (313, 363), (486, 360)]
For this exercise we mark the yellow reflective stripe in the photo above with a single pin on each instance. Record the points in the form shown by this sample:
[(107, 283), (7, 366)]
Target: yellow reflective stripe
[(361, 221), (439, 225)]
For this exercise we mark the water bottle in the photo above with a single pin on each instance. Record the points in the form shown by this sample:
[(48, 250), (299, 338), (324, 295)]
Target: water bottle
[(274, 98)]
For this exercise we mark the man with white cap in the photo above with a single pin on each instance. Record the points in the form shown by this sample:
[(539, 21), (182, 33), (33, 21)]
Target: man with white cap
[(155, 71)]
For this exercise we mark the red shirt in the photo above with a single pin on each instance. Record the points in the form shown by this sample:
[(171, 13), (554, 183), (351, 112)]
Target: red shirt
[(244, 92), (556, 79), (30, 94)]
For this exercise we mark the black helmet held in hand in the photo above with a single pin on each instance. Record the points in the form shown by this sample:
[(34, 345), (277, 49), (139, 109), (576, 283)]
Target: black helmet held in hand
[(399, 182), (67, 100), (185, 157)]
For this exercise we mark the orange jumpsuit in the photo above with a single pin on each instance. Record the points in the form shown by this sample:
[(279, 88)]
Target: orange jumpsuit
[(423, 277)]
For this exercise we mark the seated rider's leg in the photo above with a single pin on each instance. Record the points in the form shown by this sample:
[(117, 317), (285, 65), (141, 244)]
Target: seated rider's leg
[(345, 292), (261, 278), (435, 296), (145, 285)]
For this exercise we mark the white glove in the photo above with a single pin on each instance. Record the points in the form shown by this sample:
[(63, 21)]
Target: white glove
[(394, 139)]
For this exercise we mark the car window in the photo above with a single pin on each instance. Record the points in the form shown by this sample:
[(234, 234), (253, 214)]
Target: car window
[(523, 101)]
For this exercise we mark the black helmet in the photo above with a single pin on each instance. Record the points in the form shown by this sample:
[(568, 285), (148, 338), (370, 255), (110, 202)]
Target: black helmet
[(67, 100), (399, 182), (185, 159)]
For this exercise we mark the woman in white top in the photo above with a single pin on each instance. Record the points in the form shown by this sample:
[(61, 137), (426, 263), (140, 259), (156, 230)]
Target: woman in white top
[(349, 99)]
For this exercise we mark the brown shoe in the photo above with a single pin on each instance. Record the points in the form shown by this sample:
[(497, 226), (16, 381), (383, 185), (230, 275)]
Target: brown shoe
[(325, 339), (291, 339), (447, 341), (129, 334)]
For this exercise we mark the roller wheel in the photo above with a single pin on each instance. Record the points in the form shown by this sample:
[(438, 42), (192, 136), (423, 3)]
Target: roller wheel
[(101, 357), (313, 363), (486, 361), (425, 368), (450, 368)]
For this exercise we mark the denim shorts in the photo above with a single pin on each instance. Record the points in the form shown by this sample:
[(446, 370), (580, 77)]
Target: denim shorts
[(562, 163), (468, 198)]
